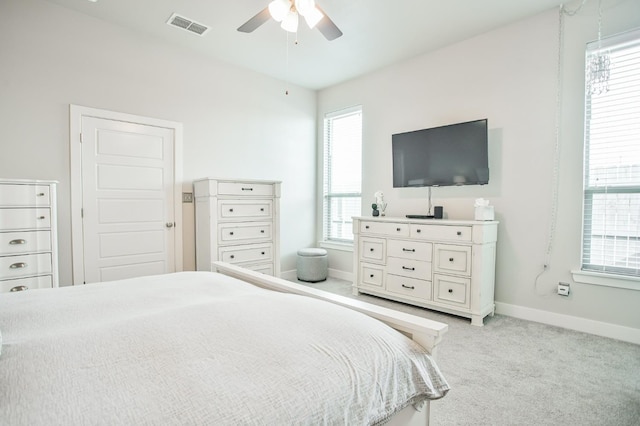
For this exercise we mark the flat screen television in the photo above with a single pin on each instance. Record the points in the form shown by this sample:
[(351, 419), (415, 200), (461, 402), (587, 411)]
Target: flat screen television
[(456, 154)]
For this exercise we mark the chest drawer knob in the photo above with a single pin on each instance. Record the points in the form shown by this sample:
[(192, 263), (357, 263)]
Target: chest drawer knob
[(366, 227), (262, 231), (232, 256), (371, 276), (231, 233), (231, 210), (41, 217), (262, 253), (418, 230), (398, 229), (458, 233), (450, 290), (19, 288), (262, 209), (17, 242), (371, 249), (451, 259), (18, 265)]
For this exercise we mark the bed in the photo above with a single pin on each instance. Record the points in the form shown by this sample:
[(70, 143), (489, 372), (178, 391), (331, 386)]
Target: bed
[(230, 347)]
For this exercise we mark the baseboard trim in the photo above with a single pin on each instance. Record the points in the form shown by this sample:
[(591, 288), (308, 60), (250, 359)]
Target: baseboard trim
[(333, 273), (604, 329)]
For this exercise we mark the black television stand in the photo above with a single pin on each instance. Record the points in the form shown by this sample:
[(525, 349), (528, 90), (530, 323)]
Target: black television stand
[(420, 216)]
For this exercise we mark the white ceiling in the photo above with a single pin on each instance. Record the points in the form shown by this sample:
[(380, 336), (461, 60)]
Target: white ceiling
[(377, 33)]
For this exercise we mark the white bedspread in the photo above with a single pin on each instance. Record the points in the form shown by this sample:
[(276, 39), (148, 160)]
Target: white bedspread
[(200, 348)]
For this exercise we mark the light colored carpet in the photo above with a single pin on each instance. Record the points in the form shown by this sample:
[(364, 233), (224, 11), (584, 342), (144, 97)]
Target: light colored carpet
[(516, 372)]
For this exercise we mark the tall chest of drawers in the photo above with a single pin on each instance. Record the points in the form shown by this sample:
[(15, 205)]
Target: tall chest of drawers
[(444, 265), (28, 235), (238, 221)]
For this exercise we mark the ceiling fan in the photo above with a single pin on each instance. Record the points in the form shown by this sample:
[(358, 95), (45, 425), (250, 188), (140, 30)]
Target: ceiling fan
[(287, 11)]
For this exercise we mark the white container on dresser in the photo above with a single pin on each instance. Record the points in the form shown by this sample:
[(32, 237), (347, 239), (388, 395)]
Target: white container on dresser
[(238, 221), (28, 235), (444, 265)]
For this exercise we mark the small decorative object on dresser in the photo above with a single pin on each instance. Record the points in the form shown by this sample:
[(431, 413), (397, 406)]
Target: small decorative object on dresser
[(444, 265), (28, 235), (238, 221)]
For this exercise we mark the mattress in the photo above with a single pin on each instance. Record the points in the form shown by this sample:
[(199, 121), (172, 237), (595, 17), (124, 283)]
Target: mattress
[(201, 348)]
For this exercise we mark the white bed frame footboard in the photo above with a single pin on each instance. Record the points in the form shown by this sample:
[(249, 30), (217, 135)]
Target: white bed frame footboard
[(425, 332)]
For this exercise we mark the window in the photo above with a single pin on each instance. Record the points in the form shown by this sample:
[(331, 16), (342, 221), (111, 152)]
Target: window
[(611, 227), (342, 177)]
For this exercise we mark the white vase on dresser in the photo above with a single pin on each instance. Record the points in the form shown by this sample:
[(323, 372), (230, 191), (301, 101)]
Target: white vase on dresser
[(28, 235), (444, 265), (238, 221)]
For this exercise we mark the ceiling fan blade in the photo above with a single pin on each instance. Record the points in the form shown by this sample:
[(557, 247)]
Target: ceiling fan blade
[(253, 23), (327, 27)]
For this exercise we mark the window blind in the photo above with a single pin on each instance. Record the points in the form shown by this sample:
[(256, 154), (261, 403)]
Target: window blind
[(611, 223), (342, 173)]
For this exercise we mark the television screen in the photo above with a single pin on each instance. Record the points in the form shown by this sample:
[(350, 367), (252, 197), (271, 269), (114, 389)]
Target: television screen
[(456, 154)]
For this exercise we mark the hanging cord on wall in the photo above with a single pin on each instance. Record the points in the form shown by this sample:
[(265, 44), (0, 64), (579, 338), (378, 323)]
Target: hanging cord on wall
[(557, 136)]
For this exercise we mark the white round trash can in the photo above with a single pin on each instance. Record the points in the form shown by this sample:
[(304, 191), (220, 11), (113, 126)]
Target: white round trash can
[(312, 264)]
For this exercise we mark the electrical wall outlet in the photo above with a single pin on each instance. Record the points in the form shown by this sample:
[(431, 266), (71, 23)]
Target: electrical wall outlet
[(563, 289), (187, 197)]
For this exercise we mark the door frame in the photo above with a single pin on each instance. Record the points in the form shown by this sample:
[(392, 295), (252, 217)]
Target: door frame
[(76, 113)]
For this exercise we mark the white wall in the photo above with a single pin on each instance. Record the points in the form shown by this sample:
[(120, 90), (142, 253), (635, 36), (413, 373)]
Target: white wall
[(510, 76), (236, 123)]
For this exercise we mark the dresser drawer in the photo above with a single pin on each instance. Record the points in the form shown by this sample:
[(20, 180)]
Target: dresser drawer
[(371, 275), (244, 232), (248, 210), (451, 290), (25, 265), (24, 242), (452, 259), (16, 195), (409, 268), (409, 286), (416, 250), (38, 218), (372, 249), (45, 281), (385, 228), (263, 268), (249, 253), (245, 189), (441, 232)]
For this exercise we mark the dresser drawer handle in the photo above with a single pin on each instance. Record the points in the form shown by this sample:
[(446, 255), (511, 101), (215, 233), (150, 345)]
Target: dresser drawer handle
[(419, 230), (409, 250), (19, 288), (371, 276), (262, 253), (40, 194), (17, 242), (41, 217), (262, 209), (247, 189), (231, 210), (371, 249), (450, 290), (366, 227), (459, 233), (410, 287), (232, 256), (18, 265), (231, 233), (398, 229), (408, 269), (262, 231), (451, 259)]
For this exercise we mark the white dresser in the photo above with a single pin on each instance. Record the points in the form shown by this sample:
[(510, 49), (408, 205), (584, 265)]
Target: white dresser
[(28, 235), (444, 265), (238, 221)]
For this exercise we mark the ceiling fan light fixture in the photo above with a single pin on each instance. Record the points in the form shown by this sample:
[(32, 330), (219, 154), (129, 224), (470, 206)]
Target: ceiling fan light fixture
[(279, 9), (304, 6), (313, 16), (290, 22)]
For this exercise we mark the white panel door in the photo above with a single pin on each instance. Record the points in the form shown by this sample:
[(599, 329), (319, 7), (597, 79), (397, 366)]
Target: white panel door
[(127, 199)]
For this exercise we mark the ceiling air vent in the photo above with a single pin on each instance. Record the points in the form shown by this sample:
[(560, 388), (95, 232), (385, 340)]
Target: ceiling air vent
[(187, 24)]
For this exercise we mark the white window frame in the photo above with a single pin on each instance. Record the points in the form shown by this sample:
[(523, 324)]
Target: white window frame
[(327, 196), (591, 272)]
